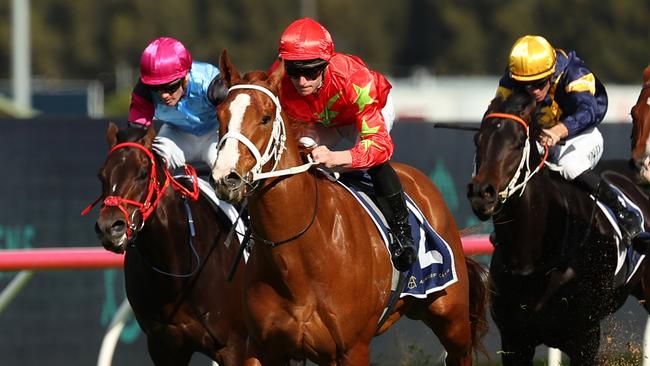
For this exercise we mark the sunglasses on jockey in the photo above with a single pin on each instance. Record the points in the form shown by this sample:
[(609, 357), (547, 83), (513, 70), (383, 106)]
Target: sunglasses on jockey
[(536, 85), (169, 88), (310, 70)]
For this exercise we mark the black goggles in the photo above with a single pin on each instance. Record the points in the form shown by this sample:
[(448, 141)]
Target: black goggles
[(539, 84), (167, 88), (310, 73)]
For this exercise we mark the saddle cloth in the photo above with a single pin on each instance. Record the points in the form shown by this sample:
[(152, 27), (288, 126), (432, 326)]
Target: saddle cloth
[(229, 210), (628, 259), (434, 270)]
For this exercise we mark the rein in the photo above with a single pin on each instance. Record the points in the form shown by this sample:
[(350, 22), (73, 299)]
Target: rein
[(155, 188), (274, 244), (512, 186)]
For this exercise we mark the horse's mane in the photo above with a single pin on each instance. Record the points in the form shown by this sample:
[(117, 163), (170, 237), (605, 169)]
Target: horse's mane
[(515, 103), (294, 126), (255, 75), (131, 134)]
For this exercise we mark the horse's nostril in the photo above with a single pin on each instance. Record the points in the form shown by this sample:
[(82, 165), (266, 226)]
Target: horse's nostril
[(233, 180), (118, 228), (487, 191)]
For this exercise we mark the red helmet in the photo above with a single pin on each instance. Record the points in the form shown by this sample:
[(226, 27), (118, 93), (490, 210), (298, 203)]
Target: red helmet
[(163, 61), (306, 39)]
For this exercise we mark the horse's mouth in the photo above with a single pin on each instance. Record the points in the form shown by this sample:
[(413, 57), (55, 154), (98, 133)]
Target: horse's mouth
[(231, 188), (483, 199), (483, 209), (115, 243)]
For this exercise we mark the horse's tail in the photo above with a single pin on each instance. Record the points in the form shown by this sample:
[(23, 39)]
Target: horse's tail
[(478, 303)]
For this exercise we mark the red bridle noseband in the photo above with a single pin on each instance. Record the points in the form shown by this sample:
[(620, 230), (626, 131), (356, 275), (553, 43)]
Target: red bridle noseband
[(155, 189)]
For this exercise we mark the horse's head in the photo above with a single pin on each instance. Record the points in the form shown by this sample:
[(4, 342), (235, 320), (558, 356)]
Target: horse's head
[(502, 144), (641, 129), (253, 131), (129, 183)]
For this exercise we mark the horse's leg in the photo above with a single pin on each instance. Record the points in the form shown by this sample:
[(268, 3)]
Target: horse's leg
[(515, 351), (358, 355), (448, 317), (582, 346)]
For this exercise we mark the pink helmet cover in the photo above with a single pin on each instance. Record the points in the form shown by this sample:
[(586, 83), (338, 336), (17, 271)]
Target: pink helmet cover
[(164, 60)]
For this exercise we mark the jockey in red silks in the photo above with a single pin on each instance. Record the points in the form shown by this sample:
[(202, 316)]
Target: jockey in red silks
[(341, 99), (183, 95)]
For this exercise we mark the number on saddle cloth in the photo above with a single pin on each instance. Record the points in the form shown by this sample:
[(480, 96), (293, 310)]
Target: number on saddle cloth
[(434, 270)]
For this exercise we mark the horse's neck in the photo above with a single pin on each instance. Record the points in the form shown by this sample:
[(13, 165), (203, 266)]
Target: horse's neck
[(521, 225), (284, 205)]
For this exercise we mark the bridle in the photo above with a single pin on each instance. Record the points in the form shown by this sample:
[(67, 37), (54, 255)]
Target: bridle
[(512, 186), (155, 190), (274, 148)]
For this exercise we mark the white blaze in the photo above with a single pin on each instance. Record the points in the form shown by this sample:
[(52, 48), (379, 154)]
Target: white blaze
[(229, 153)]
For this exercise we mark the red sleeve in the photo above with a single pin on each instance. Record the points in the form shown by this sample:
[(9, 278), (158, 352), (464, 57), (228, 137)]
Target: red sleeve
[(375, 144), (141, 109)]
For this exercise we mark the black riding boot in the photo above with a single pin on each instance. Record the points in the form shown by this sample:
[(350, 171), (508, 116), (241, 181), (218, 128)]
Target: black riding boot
[(627, 220), (394, 209)]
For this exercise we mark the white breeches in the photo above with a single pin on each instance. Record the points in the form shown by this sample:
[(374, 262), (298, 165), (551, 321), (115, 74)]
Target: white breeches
[(578, 154), (178, 147)]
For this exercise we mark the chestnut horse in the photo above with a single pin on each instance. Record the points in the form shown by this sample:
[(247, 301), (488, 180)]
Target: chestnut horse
[(641, 130), (552, 270), (176, 263), (319, 275)]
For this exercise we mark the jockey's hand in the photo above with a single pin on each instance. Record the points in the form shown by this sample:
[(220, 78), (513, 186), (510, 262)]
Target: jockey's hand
[(331, 159), (551, 136)]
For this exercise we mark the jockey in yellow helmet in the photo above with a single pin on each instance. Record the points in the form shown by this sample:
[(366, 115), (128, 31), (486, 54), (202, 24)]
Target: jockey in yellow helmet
[(571, 102)]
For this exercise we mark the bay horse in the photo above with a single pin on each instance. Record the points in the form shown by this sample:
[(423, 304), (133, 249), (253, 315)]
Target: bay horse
[(551, 273), (319, 275), (176, 263)]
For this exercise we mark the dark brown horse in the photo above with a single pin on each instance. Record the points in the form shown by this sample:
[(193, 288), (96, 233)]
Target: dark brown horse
[(319, 274), (552, 271), (176, 262)]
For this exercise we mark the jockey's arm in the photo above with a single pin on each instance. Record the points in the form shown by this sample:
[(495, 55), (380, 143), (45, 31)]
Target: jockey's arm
[(141, 110)]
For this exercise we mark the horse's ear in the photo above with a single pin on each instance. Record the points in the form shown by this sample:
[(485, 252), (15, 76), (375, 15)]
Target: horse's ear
[(228, 70), (275, 79), (111, 134), (147, 140)]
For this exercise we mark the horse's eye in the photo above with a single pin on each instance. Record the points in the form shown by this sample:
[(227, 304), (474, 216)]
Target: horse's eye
[(266, 119)]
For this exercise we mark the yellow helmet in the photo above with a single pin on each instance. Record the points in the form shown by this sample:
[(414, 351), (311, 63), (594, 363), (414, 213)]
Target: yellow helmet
[(531, 58)]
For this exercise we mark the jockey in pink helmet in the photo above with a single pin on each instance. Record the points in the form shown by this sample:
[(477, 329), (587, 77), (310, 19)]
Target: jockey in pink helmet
[(163, 61), (342, 99), (182, 94)]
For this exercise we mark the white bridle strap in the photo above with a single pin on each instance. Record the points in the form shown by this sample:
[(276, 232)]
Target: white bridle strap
[(274, 148)]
